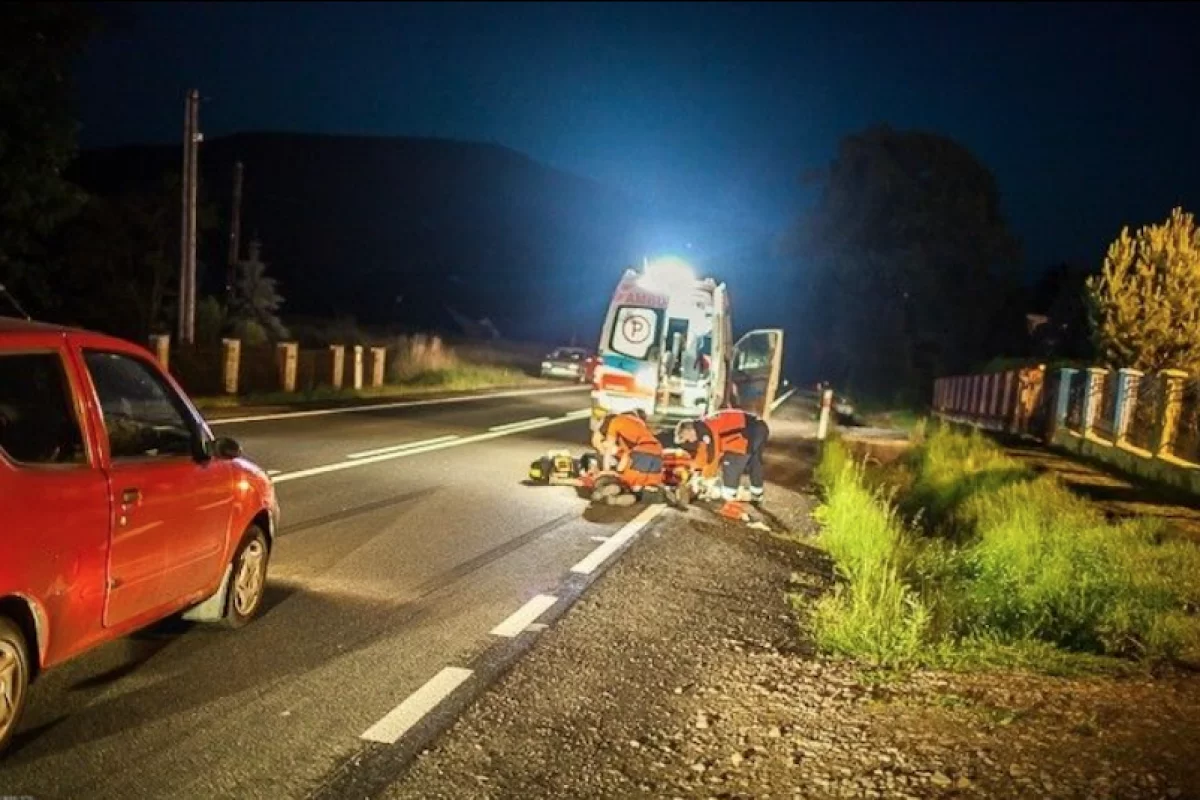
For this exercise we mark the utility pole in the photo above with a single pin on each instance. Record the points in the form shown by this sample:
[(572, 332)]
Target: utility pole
[(187, 258), (235, 227)]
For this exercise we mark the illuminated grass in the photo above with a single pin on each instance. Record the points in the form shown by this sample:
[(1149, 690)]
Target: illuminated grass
[(998, 566)]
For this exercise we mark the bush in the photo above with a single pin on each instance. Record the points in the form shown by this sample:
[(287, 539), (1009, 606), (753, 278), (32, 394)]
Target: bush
[(1145, 304), (1007, 566)]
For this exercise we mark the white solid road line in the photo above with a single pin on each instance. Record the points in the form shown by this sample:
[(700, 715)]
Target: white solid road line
[(273, 472), (783, 397), (521, 424), (583, 412), (405, 446), (631, 529), (414, 451), (404, 716), (320, 412), (525, 616)]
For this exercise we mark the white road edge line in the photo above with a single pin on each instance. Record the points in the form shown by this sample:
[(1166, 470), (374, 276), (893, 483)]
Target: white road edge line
[(583, 412), (521, 424), (405, 446), (631, 529), (320, 412), (524, 616), (400, 719), (271, 473), (783, 397), (413, 451)]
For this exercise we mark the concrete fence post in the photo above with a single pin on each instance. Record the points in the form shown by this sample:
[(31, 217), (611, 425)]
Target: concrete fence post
[(1170, 404), (358, 366), (287, 355), (1093, 392), (160, 345), (1063, 399), (1127, 388), (337, 365), (231, 357), (378, 365)]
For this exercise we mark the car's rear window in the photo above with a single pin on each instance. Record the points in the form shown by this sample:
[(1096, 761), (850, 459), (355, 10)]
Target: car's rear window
[(37, 419)]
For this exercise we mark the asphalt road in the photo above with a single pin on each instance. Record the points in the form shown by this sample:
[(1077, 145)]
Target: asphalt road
[(391, 565)]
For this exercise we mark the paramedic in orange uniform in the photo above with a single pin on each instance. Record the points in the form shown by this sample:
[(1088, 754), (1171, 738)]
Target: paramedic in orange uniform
[(731, 441), (629, 448)]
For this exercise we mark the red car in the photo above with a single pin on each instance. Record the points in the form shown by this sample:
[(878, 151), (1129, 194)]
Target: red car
[(118, 506)]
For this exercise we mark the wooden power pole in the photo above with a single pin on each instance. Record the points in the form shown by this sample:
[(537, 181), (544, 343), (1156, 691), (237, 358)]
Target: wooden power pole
[(187, 259), (235, 227)]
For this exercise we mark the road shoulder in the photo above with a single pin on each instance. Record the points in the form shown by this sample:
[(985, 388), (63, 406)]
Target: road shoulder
[(685, 672)]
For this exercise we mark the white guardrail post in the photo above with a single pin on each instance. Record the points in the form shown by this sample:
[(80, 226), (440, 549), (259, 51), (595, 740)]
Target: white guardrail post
[(826, 406)]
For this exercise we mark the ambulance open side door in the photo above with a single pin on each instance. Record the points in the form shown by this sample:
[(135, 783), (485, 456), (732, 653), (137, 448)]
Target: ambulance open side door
[(754, 371)]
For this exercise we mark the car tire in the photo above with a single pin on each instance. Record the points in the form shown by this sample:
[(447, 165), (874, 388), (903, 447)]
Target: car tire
[(14, 679), (247, 579)]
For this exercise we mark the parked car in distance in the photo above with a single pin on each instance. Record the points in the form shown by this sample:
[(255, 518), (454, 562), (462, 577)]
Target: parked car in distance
[(565, 362), (119, 506)]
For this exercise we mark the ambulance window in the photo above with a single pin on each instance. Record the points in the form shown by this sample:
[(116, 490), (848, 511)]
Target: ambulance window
[(635, 331)]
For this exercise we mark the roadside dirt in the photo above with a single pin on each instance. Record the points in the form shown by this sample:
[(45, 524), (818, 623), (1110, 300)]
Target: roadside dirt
[(685, 672)]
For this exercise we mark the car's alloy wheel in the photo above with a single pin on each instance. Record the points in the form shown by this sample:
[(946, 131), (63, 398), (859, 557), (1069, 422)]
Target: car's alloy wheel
[(14, 679), (249, 581)]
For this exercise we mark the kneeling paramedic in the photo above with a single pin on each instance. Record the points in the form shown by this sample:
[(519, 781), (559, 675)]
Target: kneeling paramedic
[(733, 442), (629, 448)]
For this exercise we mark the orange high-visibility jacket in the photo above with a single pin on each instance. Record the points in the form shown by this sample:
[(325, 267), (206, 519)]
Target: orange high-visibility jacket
[(629, 433), (723, 432)]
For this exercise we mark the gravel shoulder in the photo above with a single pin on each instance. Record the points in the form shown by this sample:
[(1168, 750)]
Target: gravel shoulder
[(686, 672)]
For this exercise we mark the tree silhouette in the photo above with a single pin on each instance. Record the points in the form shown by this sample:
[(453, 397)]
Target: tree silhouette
[(906, 259)]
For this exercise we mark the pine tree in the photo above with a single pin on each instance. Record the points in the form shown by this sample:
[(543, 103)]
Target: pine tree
[(1145, 304), (255, 297)]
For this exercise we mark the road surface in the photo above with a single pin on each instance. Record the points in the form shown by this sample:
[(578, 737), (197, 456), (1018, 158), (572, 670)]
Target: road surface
[(406, 540)]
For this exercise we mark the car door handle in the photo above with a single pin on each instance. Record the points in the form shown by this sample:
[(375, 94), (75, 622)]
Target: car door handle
[(130, 496)]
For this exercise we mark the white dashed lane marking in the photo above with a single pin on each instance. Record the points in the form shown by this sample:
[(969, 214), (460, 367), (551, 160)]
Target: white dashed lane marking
[(400, 719)]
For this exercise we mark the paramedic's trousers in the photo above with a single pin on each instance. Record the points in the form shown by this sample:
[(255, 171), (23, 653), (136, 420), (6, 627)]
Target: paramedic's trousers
[(734, 465)]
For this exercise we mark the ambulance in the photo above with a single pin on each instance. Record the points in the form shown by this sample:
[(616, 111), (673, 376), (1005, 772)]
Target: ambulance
[(667, 348)]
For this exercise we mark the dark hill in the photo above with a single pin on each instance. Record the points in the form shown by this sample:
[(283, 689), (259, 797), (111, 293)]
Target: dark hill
[(391, 230)]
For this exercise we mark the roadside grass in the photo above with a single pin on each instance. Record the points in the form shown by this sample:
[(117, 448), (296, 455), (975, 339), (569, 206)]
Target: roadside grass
[(459, 376), (960, 557)]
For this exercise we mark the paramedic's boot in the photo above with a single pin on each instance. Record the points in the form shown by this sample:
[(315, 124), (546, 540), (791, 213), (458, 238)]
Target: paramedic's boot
[(733, 510), (756, 496)]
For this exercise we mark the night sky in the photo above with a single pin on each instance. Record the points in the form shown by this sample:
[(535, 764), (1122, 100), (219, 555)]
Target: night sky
[(1088, 115)]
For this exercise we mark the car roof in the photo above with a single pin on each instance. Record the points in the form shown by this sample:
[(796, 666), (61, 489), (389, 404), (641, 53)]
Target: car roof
[(12, 328), (17, 325)]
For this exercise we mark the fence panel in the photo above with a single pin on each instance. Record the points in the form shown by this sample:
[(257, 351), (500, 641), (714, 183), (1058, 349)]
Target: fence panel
[(1106, 406), (198, 368), (258, 372), (1187, 431), (1143, 417), (312, 369), (1076, 398)]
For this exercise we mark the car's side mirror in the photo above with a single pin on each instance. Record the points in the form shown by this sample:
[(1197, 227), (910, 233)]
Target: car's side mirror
[(227, 449)]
